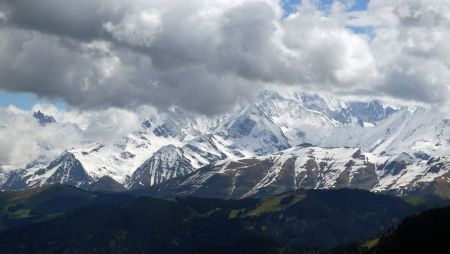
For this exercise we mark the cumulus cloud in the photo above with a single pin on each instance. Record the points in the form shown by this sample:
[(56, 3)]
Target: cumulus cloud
[(24, 139), (410, 47), (203, 55), (137, 29), (2, 17)]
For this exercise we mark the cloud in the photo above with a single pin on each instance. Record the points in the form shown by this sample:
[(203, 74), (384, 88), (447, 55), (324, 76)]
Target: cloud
[(201, 55), (131, 28), (410, 48), (205, 55), (2, 18), (326, 55), (24, 140)]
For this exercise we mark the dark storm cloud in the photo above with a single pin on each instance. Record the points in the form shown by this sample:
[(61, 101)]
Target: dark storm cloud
[(81, 19), (118, 53), (202, 55)]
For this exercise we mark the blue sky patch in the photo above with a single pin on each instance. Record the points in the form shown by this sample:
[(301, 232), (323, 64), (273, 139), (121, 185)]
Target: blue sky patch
[(25, 100), (290, 5)]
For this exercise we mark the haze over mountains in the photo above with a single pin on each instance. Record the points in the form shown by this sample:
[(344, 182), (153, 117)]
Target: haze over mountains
[(360, 144)]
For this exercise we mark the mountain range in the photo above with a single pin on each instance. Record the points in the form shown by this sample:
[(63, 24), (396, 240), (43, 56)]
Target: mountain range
[(276, 143)]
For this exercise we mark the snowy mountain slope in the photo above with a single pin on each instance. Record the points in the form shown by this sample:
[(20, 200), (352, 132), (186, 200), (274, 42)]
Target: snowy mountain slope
[(298, 122), (168, 162), (4, 175), (66, 169), (272, 123), (254, 131), (418, 131), (121, 159), (182, 130), (299, 167), (313, 167), (310, 118)]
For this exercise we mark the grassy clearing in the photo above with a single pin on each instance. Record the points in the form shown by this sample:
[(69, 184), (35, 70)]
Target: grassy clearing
[(274, 204), (21, 214), (371, 243), (234, 213), (415, 201)]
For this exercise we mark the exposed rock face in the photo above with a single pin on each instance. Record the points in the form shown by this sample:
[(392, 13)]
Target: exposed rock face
[(43, 118), (167, 163), (307, 167), (66, 169), (106, 184)]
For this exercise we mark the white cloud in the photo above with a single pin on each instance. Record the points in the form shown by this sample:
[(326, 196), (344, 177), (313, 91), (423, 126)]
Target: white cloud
[(201, 55), (24, 140), (2, 17), (326, 53), (98, 54), (411, 49), (139, 28)]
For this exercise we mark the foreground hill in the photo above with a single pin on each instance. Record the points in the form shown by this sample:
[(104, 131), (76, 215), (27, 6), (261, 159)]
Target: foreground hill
[(292, 221), (19, 208), (428, 232)]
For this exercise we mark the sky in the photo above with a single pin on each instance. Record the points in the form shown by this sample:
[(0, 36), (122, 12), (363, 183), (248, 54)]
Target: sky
[(125, 41), (27, 100), (123, 54), (93, 63), (21, 100)]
